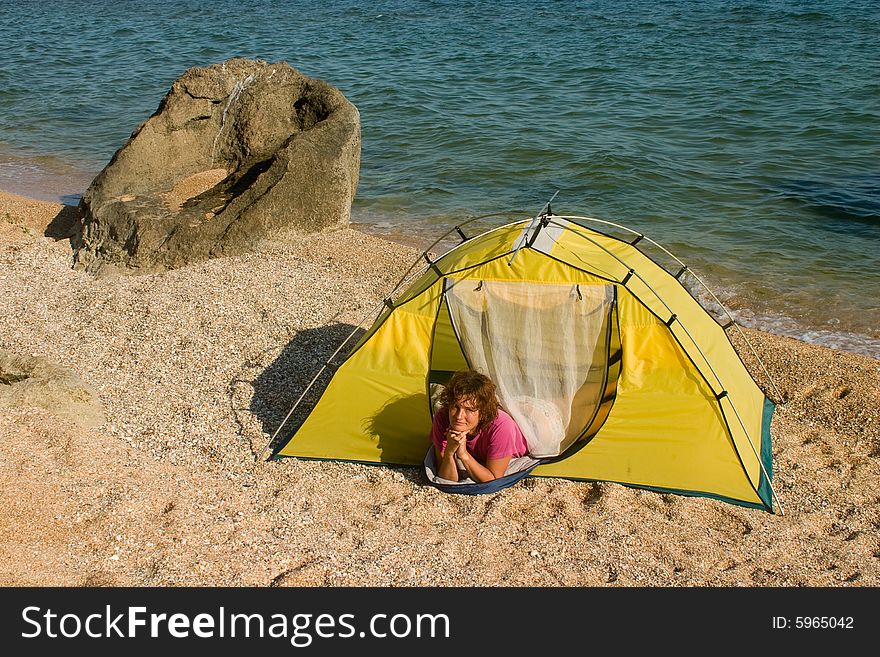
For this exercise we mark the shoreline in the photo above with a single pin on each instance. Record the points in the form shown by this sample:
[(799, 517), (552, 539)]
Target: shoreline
[(770, 322), (195, 368)]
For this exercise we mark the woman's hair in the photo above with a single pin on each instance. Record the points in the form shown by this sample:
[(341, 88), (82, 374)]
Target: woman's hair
[(470, 384)]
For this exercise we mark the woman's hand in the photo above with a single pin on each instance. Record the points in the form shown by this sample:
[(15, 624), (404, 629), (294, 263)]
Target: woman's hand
[(456, 443)]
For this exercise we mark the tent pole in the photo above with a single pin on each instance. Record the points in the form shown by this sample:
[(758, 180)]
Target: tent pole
[(532, 225)]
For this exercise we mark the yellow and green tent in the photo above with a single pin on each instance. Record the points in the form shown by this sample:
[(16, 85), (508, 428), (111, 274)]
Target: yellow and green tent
[(654, 394)]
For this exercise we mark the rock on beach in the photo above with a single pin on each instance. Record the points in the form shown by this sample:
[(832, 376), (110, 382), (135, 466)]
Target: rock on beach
[(238, 156), (34, 381)]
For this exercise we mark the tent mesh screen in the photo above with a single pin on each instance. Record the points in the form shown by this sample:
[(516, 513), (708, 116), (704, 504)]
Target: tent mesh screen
[(544, 345)]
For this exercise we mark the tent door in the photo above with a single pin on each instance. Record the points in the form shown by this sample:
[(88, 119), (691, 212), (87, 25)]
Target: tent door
[(546, 346)]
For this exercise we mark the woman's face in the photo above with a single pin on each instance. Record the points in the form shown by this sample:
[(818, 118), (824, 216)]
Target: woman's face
[(464, 416)]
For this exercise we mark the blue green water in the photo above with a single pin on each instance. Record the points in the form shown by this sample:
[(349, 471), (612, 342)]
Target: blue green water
[(744, 136)]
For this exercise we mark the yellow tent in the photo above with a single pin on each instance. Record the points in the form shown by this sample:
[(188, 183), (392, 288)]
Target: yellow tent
[(661, 400)]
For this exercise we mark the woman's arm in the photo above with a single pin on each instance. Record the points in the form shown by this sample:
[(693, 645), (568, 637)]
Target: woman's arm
[(494, 468), (446, 465)]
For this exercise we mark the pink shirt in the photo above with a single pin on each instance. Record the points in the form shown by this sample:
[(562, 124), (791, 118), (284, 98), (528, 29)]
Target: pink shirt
[(500, 438)]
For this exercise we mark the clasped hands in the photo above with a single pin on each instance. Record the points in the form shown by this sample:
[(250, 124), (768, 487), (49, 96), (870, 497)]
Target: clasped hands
[(457, 442)]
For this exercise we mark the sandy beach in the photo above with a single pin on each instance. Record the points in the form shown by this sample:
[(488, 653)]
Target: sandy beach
[(196, 367)]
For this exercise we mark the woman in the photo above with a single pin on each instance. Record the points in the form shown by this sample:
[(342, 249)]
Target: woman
[(471, 428)]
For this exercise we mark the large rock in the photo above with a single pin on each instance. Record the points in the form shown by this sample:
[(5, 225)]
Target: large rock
[(238, 155), (36, 381)]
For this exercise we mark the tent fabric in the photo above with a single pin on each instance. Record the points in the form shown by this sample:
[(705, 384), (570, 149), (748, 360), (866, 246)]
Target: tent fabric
[(544, 347), (677, 410)]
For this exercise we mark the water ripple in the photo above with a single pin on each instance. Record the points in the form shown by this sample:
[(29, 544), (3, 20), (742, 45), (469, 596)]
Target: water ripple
[(746, 133)]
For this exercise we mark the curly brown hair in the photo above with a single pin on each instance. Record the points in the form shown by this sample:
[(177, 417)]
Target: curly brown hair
[(470, 384)]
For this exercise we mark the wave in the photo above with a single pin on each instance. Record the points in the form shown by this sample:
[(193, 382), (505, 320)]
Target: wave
[(786, 326), (853, 199)]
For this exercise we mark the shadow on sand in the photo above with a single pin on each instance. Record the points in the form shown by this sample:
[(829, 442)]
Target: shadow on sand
[(65, 225), (281, 384)]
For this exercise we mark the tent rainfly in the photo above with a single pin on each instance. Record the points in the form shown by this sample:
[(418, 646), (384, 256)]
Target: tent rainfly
[(610, 366)]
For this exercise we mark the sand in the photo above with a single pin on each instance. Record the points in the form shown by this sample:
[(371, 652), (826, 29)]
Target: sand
[(196, 367)]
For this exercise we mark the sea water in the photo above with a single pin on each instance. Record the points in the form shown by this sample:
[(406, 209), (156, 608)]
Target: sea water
[(743, 136)]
